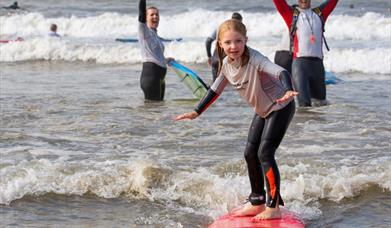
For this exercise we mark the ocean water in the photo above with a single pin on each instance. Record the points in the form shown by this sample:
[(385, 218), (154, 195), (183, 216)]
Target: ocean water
[(79, 147)]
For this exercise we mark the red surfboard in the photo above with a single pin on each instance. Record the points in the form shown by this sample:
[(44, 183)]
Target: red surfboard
[(288, 220), (9, 41)]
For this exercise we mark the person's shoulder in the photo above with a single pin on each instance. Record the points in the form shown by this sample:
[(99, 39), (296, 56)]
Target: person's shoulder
[(54, 34), (142, 26), (255, 55), (213, 34)]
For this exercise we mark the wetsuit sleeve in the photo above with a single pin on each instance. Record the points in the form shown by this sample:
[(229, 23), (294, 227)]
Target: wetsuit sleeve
[(285, 11), (286, 80), (142, 11), (272, 69), (208, 43), (142, 18), (327, 7), (212, 94)]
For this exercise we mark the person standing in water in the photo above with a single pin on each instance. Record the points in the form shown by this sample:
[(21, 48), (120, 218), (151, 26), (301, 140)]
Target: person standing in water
[(306, 28), (212, 59), (154, 69), (53, 31), (268, 89)]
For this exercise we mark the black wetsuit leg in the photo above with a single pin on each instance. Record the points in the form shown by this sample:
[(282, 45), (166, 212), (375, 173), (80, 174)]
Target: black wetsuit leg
[(309, 79), (264, 137), (152, 81), (317, 80), (284, 59), (215, 65)]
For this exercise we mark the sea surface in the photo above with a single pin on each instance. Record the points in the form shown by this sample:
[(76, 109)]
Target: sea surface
[(79, 146)]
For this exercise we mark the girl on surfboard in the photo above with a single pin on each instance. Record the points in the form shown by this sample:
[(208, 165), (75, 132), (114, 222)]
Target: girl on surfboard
[(267, 87)]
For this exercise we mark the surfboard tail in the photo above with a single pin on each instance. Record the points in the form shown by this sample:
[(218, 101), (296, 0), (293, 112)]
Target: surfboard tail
[(193, 82)]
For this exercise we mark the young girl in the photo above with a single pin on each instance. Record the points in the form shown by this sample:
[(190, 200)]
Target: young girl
[(268, 89)]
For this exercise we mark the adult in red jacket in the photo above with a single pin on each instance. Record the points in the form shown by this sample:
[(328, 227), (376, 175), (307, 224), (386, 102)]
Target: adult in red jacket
[(306, 28)]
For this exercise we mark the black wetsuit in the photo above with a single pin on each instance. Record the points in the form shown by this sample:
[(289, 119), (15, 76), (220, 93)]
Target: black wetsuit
[(214, 57), (13, 6), (283, 58), (264, 137), (260, 84), (309, 75), (152, 80)]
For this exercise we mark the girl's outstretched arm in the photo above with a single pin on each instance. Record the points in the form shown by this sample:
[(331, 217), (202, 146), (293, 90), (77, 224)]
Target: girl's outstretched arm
[(211, 95)]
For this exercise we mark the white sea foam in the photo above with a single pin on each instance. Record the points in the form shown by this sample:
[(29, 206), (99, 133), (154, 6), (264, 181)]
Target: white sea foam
[(203, 188), (358, 43)]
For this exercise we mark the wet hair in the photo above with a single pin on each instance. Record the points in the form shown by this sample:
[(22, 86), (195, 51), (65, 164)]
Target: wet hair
[(53, 27), (152, 8), (237, 26), (237, 16)]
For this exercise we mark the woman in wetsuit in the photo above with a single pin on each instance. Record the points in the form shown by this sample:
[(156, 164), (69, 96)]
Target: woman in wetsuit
[(268, 89), (154, 70)]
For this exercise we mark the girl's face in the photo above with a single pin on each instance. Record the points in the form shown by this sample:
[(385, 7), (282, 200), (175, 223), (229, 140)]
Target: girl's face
[(152, 18), (233, 44)]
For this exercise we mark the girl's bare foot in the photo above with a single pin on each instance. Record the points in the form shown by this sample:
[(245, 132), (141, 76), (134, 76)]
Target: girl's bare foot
[(249, 210), (268, 213)]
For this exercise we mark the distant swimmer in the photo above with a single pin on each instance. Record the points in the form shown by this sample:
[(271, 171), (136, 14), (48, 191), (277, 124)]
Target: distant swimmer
[(267, 88), (306, 28), (53, 31), (212, 58), (14, 6), (154, 70)]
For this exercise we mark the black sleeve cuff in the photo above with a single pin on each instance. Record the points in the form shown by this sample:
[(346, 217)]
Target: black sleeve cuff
[(208, 45), (206, 101), (286, 80)]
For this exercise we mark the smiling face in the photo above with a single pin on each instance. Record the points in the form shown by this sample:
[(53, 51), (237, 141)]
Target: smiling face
[(304, 4), (153, 18), (233, 44)]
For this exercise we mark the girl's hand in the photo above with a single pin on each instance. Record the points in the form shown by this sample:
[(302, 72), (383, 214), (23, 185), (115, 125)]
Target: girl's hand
[(287, 96), (189, 115), (169, 59), (210, 61)]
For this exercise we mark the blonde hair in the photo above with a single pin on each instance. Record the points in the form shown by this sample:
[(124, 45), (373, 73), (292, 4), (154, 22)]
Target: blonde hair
[(237, 26)]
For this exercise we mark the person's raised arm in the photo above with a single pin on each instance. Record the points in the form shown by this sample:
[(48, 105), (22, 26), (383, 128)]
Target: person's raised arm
[(285, 10), (327, 7), (142, 11)]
